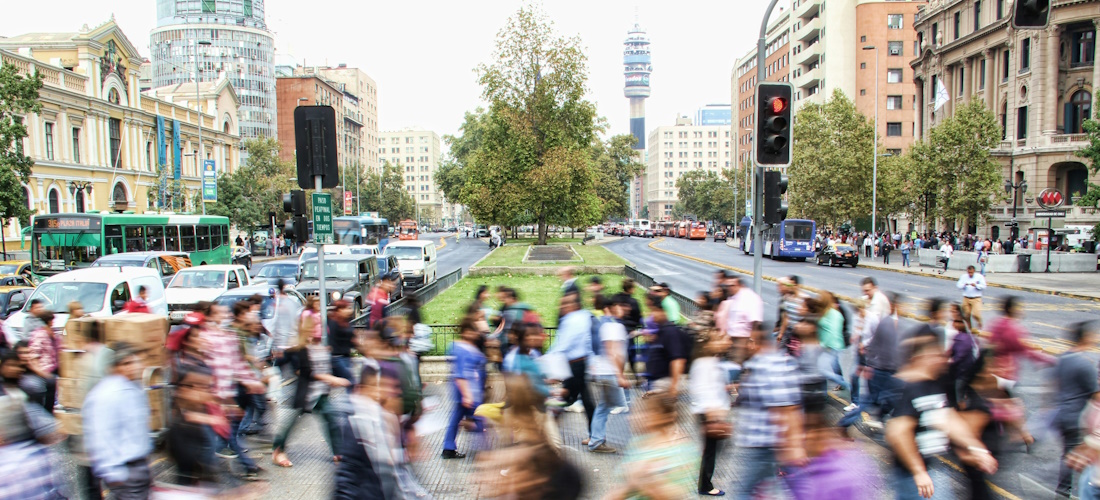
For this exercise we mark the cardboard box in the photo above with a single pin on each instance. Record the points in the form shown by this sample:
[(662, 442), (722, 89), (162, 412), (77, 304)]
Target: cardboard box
[(145, 331), (68, 362), (69, 393), (156, 408), (71, 422), (77, 331)]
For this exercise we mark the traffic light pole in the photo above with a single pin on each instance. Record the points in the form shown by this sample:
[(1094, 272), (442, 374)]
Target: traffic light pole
[(321, 272), (758, 171)]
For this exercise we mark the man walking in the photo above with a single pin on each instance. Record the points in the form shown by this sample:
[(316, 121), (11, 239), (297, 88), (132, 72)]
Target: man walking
[(945, 254), (1075, 374), (667, 354), (116, 417), (738, 313), (605, 371), (574, 342), (972, 284)]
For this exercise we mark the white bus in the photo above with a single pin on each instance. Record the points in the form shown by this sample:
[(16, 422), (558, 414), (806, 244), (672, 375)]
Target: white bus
[(640, 224)]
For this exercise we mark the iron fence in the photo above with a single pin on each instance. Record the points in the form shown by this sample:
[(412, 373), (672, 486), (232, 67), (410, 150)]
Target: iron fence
[(423, 295), (444, 335), (688, 307)]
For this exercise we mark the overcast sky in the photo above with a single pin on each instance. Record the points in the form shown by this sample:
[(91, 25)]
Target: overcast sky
[(422, 53)]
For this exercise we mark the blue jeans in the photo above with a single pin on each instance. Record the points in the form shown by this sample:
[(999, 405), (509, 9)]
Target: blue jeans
[(254, 405), (341, 367), (608, 395), (905, 488), (905, 259), (829, 366), (1086, 489), (761, 464), (882, 389), (457, 415), (235, 445)]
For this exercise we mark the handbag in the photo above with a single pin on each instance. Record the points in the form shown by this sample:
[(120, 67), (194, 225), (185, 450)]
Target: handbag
[(717, 426)]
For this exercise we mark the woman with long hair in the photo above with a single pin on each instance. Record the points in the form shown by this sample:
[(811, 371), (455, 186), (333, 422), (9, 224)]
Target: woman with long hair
[(710, 402)]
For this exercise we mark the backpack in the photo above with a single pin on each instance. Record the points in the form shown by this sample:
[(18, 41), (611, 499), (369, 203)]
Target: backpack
[(847, 322), (597, 323)]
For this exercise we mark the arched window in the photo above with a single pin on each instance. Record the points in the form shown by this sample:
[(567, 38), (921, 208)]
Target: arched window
[(119, 194), (55, 202), (1078, 109), (112, 96), (27, 198), (80, 201)]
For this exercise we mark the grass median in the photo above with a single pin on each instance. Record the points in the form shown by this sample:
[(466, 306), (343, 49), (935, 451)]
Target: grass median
[(511, 255), (540, 292)]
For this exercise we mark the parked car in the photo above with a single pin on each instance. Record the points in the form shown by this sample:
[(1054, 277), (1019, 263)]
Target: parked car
[(268, 307), (386, 265), (348, 277), (242, 257), (16, 267), (101, 294), (12, 299), (286, 270), (311, 252), (167, 264), (363, 250), (719, 236), (195, 284), (16, 280), (838, 254), (416, 259), (647, 233)]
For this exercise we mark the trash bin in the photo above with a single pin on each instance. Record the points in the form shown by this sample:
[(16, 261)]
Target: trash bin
[(1023, 263)]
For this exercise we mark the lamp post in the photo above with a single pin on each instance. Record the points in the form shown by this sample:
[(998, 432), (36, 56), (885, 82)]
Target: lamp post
[(198, 106), (1016, 189), (874, 167), (80, 187)]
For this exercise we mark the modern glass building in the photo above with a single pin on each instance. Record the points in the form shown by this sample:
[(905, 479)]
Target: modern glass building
[(230, 37), (714, 114)]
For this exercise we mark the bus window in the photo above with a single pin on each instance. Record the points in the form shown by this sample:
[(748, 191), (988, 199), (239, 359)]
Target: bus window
[(203, 233), (114, 239), (172, 238), (795, 231), (156, 238), (220, 235), (135, 238), (187, 238)]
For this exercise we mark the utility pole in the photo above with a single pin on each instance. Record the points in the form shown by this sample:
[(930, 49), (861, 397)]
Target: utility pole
[(757, 178), (201, 157)]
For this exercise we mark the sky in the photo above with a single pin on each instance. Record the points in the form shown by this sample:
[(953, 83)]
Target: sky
[(422, 54)]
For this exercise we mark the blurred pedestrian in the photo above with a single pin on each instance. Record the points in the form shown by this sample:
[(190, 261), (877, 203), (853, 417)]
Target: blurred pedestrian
[(340, 338), (116, 420), (190, 439), (379, 296), (710, 402), (28, 466), (632, 320), (972, 285), (138, 304), (574, 341), (831, 335), (1076, 378), (1008, 340), (231, 374), (667, 350), (737, 314), (836, 468), (44, 347), (466, 374), (660, 461), (605, 370), (94, 364)]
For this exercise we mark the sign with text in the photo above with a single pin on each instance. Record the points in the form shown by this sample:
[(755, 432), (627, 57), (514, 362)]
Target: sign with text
[(322, 218), (209, 182), (1050, 213), (347, 202)]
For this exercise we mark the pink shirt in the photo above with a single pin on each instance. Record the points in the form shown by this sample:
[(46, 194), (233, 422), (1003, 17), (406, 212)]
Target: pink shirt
[(740, 311)]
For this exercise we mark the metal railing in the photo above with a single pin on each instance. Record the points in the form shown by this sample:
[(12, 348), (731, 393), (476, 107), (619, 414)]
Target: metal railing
[(423, 295), (688, 307), (444, 335)]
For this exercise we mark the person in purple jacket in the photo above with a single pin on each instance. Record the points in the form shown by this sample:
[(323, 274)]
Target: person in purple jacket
[(836, 469)]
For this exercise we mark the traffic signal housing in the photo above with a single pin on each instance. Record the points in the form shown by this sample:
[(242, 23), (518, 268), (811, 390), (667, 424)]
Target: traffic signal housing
[(294, 202), (1031, 14), (775, 209), (298, 227), (773, 124)]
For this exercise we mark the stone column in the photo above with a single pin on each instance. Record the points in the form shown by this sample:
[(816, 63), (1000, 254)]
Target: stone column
[(949, 83), (990, 79), (1050, 81), (1095, 63)]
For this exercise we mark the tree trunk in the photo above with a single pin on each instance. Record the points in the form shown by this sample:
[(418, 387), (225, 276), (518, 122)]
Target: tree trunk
[(542, 230), (571, 231)]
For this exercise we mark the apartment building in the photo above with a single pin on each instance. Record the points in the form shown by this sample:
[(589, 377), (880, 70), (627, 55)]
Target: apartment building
[(778, 60), (1038, 83), (416, 151), (676, 150)]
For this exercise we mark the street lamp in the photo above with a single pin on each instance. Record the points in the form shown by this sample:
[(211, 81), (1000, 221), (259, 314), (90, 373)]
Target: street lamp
[(874, 172), (80, 187), (198, 106), (1016, 189)]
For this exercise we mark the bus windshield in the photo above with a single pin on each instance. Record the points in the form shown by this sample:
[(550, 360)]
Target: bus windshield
[(57, 250), (798, 231)]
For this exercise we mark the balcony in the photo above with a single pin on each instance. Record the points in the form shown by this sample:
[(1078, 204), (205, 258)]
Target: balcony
[(807, 56), (806, 9), (1068, 139), (808, 78), (810, 29)]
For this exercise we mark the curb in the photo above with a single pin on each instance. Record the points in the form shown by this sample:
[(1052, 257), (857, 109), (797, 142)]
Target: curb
[(1018, 288)]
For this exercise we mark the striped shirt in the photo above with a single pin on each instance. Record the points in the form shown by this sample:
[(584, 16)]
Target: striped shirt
[(771, 380)]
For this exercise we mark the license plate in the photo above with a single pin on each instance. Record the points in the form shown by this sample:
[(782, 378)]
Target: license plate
[(177, 315)]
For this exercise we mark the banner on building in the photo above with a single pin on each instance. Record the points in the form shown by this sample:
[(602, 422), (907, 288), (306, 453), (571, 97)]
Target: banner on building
[(347, 202), (177, 150), (209, 182), (162, 146)]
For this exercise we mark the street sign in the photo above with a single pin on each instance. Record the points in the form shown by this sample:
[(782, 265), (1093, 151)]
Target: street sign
[(347, 202), (209, 182), (1050, 213), (322, 218), (315, 146)]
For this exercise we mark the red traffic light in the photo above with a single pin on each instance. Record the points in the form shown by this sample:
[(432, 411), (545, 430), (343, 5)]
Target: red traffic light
[(778, 105)]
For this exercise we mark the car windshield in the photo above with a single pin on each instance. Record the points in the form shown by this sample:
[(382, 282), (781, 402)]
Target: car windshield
[(278, 271), (118, 263), (56, 296), (267, 309), (203, 278), (405, 253), (333, 270), (9, 269), (844, 248)]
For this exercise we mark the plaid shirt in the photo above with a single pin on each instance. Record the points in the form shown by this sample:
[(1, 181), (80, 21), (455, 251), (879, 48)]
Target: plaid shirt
[(31, 471), (771, 380), (223, 356)]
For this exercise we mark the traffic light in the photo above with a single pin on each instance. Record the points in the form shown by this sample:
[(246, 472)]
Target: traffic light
[(773, 124), (1031, 14), (775, 209), (298, 228), (294, 202)]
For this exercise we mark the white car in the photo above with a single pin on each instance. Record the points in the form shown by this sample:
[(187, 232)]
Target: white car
[(361, 250), (311, 252), (102, 292), (195, 284)]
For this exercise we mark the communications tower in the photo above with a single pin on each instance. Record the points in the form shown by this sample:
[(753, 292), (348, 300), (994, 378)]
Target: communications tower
[(636, 69)]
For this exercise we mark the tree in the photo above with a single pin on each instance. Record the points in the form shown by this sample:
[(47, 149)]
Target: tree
[(898, 188), (248, 194), (707, 195), (531, 161), (387, 195), (645, 212), (616, 165), (18, 97), (954, 170), (1091, 198), (830, 172)]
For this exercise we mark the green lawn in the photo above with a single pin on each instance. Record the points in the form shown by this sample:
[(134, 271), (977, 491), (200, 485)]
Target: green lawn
[(511, 255), (540, 292)]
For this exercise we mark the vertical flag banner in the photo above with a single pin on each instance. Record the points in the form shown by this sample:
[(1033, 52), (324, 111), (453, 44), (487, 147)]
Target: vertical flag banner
[(209, 182), (177, 151)]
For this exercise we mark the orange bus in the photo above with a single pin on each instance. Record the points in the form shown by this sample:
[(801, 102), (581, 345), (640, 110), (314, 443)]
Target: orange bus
[(682, 230), (698, 231), (407, 230)]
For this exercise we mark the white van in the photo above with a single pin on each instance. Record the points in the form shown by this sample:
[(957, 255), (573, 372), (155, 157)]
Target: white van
[(416, 259), (102, 292)]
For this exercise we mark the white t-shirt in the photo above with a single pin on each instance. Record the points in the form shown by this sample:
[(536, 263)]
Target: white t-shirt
[(610, 331), (880, 305)]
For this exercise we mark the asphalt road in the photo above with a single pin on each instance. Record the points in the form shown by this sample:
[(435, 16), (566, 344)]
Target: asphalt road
[(1048, 318)]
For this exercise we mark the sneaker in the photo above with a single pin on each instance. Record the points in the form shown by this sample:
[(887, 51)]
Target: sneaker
[(603, 448), (226, 453), (577, 407), (850, 407), (874, 425), (620, 409), (252, 474), (449, 454), (555, 402)]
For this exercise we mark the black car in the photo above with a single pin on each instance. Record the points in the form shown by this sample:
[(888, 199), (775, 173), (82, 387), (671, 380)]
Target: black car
[(349, 277), (13, 298), (838, 254), (386, 264), (719, 236)]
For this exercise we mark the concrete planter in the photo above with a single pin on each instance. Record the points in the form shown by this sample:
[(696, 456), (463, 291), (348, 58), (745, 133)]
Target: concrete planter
[(542, 270)]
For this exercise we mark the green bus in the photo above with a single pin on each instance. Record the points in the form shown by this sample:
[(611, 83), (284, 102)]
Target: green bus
[(62, 242)]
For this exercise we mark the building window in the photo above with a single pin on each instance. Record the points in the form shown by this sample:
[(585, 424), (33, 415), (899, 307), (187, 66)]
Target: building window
[(863, 39), (893, 129), (935, 34), (863, 65), (962, 79), (1025, 55), (895, 48), (80, 202), (49, 141), (247, 8), (893, 102), (208, 6), (1021, 122), (977, 15), (893, 152), (981, 75), (1006, 58), (894, 21), (862, 91), (1078, 110), (55, 202), (76, 144), (1004, 121), (893, 75), (115, 131), (958, 25), (1084, 45), (1000, 9)]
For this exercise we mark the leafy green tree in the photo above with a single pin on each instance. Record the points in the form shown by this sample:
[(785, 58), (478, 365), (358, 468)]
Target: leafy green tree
[(256, 188), (645, 212), (898, 188), (387, 195), (18, 97), (1091, 198), (830, 172), (707, 195), (531, 160), (954, 169), (616, 165)]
